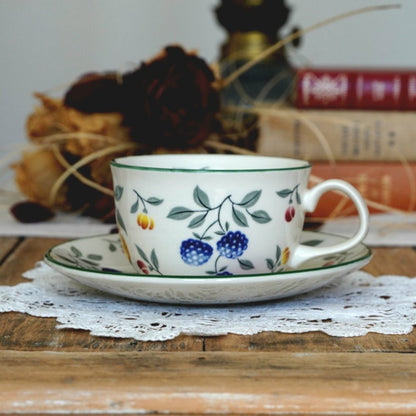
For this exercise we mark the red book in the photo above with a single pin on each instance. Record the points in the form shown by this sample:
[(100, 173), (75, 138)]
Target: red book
[(356, 89), (386, 187)]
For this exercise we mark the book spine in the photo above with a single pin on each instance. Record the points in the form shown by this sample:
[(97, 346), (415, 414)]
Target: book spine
[(356, 89), (387, 187), (337, 135)]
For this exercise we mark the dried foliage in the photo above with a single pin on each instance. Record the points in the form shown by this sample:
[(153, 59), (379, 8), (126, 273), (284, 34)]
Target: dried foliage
[(168, 104)]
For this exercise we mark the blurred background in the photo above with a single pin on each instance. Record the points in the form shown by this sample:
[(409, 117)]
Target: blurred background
[(47, 44)]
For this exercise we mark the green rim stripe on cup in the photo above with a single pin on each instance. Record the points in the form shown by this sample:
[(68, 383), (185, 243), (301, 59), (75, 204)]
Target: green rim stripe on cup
[(302, 164)]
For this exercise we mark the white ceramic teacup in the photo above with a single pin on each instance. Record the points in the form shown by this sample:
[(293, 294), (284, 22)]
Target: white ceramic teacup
[(216, 215)]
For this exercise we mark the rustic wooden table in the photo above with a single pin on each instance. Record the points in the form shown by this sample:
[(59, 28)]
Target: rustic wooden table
[(45, 370)]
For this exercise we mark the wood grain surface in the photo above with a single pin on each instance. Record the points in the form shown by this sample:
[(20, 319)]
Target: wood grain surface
[(208, 383), (48, 371)]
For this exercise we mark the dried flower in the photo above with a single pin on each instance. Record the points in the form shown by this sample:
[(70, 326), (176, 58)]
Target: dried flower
[(96, 93), (171, 101)]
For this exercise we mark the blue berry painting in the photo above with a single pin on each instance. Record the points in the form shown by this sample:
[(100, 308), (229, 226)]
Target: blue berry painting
[(219, 233), (195, 252)]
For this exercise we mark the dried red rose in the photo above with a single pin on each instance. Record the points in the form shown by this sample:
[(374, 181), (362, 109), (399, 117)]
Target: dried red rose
[(171, 101), (95, 93)]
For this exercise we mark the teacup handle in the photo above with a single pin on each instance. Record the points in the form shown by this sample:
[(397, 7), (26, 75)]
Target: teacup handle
[(301, 252)]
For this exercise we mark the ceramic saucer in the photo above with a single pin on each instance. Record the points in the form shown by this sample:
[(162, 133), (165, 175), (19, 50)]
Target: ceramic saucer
[(99, 262)]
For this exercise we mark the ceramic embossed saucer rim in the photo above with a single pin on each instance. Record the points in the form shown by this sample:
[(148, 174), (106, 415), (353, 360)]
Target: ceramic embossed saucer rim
[(364, 256)]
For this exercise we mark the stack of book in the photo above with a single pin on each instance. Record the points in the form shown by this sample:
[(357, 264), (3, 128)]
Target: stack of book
[(359, 126)]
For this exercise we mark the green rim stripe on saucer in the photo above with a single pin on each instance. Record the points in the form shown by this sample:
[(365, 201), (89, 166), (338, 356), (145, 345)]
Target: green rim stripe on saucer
[(49, 256)]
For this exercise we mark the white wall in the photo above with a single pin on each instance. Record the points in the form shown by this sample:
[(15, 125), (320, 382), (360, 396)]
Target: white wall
[(48, 43)]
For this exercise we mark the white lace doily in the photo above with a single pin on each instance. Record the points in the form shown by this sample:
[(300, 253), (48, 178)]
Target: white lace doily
[(352, 306)]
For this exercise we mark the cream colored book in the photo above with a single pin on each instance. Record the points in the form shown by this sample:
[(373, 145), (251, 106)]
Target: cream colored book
[(338, 134)]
